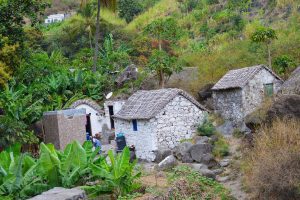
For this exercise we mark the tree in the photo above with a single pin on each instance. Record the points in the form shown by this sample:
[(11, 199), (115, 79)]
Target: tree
[(9, 59), (160, 61), (128, 9), (12, 15), (164, 65), (163, 29), (265, 35)]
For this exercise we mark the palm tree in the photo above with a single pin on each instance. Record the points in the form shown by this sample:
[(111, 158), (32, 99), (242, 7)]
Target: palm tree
[(110, 4)]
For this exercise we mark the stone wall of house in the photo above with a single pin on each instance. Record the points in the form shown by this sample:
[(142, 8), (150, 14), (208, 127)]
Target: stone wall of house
[(177, 121), (143, 139), (229, 104), (253, 92)]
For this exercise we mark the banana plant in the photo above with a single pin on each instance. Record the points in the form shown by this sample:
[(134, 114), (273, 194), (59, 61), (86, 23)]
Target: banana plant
[(118, 175), (18, 177)]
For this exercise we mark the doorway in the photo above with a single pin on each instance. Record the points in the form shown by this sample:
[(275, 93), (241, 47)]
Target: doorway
[(111, 113), (88, 125)]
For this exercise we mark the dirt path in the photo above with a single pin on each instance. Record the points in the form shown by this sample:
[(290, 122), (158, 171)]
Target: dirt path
[(231, 178)]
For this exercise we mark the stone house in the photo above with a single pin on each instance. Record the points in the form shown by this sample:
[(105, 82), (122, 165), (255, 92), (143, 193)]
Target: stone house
[(241, 91), (63, 126), (95, 116), (158, 119)]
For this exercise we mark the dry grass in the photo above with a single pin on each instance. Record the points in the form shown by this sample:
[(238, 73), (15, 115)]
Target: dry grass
[(272, 167)]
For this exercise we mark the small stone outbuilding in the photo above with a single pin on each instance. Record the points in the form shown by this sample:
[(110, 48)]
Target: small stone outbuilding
[(241, 91), (64, 126), (158, 119)]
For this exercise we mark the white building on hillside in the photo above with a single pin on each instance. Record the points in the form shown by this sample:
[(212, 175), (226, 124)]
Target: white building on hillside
[(55, 18), (156, 119)]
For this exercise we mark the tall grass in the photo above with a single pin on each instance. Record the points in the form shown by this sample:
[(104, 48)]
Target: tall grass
[(272, 167)]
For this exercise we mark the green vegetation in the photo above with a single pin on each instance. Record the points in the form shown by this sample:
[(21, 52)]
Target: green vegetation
[(221, 147), (206, 128), (23, 176), (189, 184)]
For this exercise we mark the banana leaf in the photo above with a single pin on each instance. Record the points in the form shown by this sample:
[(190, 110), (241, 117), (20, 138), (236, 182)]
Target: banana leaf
[(49, 165)]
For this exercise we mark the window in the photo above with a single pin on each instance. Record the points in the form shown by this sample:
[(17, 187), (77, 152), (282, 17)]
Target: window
[(268, 89), (134, 125)]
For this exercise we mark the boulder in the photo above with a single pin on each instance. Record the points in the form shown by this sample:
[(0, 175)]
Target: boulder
[(187, 158), (207, 173), (162, 154), (227, 128), (217, 171), (201, 139), (197, 166), (182, 149), (286, 106), (167, 163), (209, 160), (62, 194), (224, 162), (199, 150)]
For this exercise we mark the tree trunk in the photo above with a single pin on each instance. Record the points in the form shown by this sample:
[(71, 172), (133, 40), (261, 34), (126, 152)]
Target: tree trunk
[(161, 75), (269, 56), (161, 78), (97, 38)]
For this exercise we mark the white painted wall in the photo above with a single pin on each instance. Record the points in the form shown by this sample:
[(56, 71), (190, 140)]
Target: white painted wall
[(144, 139), (117, 105), (97, 119)]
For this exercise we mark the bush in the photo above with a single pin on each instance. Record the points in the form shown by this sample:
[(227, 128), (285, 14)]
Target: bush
[(206, 129), (128, 9), (272, 167), (221, 147)]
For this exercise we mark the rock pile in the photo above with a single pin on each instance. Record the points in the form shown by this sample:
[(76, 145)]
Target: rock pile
[(197, 155)]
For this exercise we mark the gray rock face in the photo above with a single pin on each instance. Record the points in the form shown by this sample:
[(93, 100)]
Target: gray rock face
[(199, 150), (162, 154), (286, 106), (58, 193), (167, 163), (182, 150)]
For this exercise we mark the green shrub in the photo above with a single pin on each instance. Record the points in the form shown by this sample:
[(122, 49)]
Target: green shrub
[(284, 63), (207, 128), (221, 147)]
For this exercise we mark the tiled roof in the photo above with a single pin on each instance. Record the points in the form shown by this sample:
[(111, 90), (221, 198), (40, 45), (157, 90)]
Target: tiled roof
[(240, 77), (88, 102), (147, 104)]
